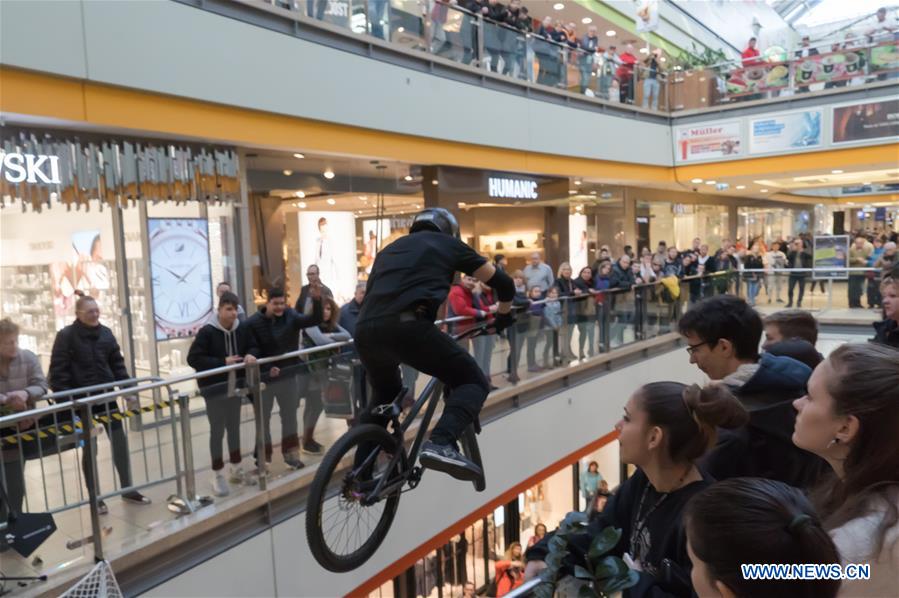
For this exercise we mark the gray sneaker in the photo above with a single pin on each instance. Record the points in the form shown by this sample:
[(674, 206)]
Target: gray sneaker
[(446, 458)]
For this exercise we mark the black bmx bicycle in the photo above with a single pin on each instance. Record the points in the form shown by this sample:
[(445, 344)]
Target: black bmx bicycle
[(354, 497)]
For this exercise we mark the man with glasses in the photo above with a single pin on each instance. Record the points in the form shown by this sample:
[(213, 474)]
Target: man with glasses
[(305, 300), (723, 334)]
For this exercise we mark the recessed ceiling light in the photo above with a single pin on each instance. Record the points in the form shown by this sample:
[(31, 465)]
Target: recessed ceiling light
[(836, 171), (711, 182), (408, 177), (867, 183), (558, 6), (288, 172), (578, 208), (434, 182), (401, 29), (696, 180), (593, 193), (572, 192), (577, 182), (416, 206), (763, 190), (741, 186), (329, 174), (363, 198), (663, 59), (331, 201), (300, 194), (610, 33), (301, 205), (299, 156), (586, 20)]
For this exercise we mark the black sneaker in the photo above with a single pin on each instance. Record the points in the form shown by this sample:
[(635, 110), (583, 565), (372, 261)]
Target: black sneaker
[(311, 447), (446, 458)]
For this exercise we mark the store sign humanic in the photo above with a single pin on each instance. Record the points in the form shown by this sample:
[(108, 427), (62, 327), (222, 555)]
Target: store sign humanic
[(512, 188), (30, 168)]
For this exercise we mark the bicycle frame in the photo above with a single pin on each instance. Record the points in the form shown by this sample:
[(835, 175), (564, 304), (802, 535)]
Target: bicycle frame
[(430, 395)]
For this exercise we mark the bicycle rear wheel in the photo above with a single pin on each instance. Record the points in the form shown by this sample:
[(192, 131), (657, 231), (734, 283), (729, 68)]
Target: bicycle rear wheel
[(342, 532)]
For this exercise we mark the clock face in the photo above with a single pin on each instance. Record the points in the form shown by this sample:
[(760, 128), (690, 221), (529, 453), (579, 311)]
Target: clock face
[(181, 277)]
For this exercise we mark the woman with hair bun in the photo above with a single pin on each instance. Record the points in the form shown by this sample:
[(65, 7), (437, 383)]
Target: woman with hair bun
[(666, 428), (850, 418), (755, 521)]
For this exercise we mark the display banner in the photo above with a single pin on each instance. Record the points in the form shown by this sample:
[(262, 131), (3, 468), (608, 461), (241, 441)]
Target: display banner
[(758, 78), (830, 251), (832, 66), (884, 57), (180, 273), (647, 16), (701, 142), (473, 186), (865, 121), (328, 240), (577, 243), (785, 132)]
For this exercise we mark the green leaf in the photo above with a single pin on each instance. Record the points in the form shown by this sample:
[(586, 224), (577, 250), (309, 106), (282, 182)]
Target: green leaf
[(611, 566), (604, 541), (582, 573), (621, 583), (586, 591)]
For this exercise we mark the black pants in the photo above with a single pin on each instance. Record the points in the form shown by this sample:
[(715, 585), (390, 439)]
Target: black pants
[(856, 288), (385, 343), (794, 280), (223, 413)]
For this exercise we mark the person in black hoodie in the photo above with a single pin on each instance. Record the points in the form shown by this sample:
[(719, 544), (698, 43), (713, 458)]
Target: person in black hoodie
[(887, 330), (217, 344), (723, 335), (86, 353), (797, 258), (666, 428), (277, 331)]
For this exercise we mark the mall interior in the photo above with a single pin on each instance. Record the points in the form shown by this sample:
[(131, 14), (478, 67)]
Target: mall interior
[(145, 145)]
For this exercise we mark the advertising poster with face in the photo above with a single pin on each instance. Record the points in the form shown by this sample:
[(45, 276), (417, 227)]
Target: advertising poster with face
[(374, 238), (328, 240), (577, 241)]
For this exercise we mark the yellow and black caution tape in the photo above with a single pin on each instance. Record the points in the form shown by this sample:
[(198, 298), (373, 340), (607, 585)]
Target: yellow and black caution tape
[(69, 428)]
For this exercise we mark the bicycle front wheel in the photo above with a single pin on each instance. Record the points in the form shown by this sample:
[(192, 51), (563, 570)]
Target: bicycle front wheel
[(344, 531)]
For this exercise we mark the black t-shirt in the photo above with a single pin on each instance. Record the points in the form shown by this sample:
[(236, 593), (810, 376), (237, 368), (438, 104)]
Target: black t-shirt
[(417, 269)]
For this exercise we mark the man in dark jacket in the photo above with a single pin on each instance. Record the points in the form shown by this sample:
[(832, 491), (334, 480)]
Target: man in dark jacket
[(276, 328), (219, 343), (349, 313), (86, 353), (622, 304), (723, 335), (797, 258), (304, 301)]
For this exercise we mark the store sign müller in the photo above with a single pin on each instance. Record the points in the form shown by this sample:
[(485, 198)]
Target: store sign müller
[(30, 168), (512, 188)]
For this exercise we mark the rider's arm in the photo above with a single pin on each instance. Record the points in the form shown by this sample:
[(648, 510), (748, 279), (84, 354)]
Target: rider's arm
[(501, 282)]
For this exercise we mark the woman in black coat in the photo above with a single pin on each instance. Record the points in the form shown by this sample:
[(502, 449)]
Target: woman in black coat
[(86, 353)]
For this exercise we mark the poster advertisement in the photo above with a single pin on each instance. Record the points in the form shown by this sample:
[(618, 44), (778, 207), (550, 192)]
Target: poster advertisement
[(864, 121), (647, 16), (374, 237), (785, 132), (181, 275), (884, 58), (833, 66), (328, 240), (830, 251), (758, 79), (577, 242), (703, 142)]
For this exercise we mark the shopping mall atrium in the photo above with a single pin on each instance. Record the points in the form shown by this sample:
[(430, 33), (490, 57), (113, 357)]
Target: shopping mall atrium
[(686, 194)]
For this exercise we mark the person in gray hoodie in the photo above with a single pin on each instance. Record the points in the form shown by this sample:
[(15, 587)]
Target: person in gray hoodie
[(223, 342)]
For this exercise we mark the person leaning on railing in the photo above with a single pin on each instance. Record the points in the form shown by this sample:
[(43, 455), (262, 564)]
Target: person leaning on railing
[(86, 353), (22, 382)]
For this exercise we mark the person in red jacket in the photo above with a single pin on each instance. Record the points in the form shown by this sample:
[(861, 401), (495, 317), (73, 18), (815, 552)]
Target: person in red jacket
[(463, 302), (625, 75), (751, 54), (510, 570)]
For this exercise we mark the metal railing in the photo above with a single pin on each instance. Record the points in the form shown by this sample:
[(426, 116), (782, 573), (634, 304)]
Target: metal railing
[(164, 426), (452, 32)]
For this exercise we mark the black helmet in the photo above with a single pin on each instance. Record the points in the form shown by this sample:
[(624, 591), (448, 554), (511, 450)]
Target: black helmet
[(440, 220)]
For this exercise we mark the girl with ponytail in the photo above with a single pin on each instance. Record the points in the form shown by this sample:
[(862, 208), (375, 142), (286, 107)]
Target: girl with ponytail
[(666, 428)]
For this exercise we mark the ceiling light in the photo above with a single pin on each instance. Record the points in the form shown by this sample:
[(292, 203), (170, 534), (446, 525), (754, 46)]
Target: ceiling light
[(331, 201), (763, 190), (741, 186), (299, 156), (710, 182), (363, 198), (697, 180), (593, 193), (401, 29), (288, 172), (610, 33), (301, 205), (867, 183), (576, 182), (572, 192), (578, 208), (300, 194), (851, 203), (329, 174), (644, 50), (663, 59), (558, 6), (586, 20), (416, 206), (434, 182), (837, 171), (408, 177)]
